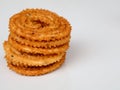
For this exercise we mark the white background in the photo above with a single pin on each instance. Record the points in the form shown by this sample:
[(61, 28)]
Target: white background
[(93, 60)]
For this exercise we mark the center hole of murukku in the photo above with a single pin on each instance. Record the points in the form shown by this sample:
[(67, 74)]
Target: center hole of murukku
[(41, 23)]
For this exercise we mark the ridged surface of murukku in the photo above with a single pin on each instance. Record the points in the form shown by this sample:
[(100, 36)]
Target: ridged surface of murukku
[(39, 24), (44, 44), (34, 71), (28, 49), (28, 60)]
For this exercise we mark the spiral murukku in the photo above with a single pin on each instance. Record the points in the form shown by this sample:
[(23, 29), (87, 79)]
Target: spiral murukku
[(29, 60), (39, 25), (28, 49), (44, 44), (35, 71), (37, 42)]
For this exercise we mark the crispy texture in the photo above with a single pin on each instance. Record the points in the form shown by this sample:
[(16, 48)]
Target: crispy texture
[(28, 60), (28, 49), (43, 44), (34, 71)]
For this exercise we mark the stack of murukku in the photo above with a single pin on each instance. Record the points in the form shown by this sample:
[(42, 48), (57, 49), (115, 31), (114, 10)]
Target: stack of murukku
[(37, 42)]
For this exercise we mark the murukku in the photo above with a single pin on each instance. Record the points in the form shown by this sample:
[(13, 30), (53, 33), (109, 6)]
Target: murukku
[(39, 25), (28, 60), (34, 71), (44, 44), (37, 43), (28, 49)]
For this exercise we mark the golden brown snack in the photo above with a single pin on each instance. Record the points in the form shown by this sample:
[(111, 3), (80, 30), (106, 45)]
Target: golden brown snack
[(45, 51), (34, 71), (39, 24), (43, 44), (28, 60), (37, 42)]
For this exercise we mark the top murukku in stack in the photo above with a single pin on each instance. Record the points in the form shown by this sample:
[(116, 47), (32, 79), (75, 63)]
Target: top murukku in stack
[(37, 42)]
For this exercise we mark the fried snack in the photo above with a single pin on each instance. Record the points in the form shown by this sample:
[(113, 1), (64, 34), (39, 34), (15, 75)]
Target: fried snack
[(45, 51), (43, 44), (19, 59), (34, 71), (39, 24), (37, 42)]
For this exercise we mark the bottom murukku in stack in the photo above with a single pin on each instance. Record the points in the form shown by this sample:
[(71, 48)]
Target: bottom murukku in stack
[(33, 70)]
